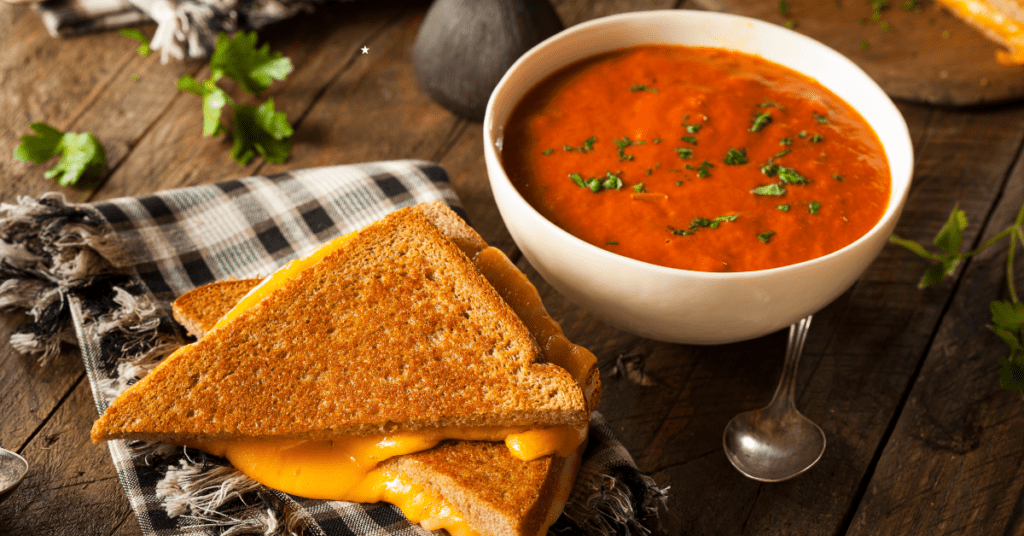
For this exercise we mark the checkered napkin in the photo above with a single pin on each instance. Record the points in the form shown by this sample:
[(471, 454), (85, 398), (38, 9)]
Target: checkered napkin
[(105, 273), (183, 26)]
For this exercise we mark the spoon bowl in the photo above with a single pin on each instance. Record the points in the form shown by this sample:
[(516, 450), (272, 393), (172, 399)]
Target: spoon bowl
[(777, 442), (13, 469)]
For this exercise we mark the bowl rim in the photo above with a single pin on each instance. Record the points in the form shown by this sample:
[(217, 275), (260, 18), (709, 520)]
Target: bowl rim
[(887, 221)]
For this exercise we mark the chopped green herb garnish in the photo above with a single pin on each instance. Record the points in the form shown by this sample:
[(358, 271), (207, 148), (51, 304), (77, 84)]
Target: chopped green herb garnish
[(769, 104), (697, 223), (690, 139), (783, 8), (136, 34), (594, 184), (622, 144), (863, 45), (588, 145), (780, 154), (694, 128), (578, 179), (912, 5), (770, 169), (656, 140), (769, 189), (715, 223), (821, 119), (643, 88), (786, 141), (648, 171), (611, 181), (684, 153), (760, 121), (80, 153), (704, 169), (790, 176), (838, 177), (802, 134), (813, 207), (735, 157), (679, 232), (791, 24), (766, 237), (679, 183), (784, 208), (639, 188), (549, 151), (611, 243), (817, 138)]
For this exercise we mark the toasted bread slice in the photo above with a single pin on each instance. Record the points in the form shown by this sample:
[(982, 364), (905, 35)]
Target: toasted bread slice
[(399, 288)]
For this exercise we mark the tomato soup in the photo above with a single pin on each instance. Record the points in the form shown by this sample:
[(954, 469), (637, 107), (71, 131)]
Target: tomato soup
[(697, 158)]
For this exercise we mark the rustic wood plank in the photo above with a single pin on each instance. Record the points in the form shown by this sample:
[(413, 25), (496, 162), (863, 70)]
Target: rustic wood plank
[(953, 463), (71, 488), (173, 153), (925, 54)]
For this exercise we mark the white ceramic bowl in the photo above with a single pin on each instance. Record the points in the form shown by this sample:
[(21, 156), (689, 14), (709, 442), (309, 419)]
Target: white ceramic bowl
[(686, 306)]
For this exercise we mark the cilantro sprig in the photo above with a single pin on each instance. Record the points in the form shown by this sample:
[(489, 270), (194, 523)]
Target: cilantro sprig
[(257, 128), (1007, 315), (81, 153)]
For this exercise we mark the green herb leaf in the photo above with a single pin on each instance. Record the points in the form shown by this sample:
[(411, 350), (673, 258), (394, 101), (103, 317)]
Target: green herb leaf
[(1011, 375), (611, 181), (790, 176), (769, 189), (136, 34), (735, 157), (549, 151), (784, 208), (821, 119), (81, 154), (643, 88), (951, 235), (639, 188), (838, 177), (697, 223), (611, 243), (253, 68), (770, 169), (704, 169), (760, 121), (813, 207), (578, 179), (783, 8), (684, 153), (689, 139), (817, 138), (214, 101), (1007, 315), (766, 237), (786, 141), (260, 129)]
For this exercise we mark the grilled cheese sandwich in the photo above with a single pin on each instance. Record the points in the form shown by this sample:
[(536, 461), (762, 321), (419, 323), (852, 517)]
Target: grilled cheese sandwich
[(363, 468)]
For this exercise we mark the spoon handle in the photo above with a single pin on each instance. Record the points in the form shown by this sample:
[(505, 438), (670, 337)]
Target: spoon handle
[(794, 349)]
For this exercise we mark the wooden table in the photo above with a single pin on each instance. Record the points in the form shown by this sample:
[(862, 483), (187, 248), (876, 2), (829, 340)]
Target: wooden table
[(921, 439)]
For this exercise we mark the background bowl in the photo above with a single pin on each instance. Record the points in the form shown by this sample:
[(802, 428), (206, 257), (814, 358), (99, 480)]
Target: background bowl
[(670, 304)]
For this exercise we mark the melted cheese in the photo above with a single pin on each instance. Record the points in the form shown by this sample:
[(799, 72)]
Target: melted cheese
[(346, 468)]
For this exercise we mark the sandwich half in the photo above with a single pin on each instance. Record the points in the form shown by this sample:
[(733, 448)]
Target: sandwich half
[(1001, 21), (325, 382)]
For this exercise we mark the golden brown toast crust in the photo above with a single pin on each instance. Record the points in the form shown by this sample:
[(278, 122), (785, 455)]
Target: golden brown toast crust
[(200, 309), (313, 348)]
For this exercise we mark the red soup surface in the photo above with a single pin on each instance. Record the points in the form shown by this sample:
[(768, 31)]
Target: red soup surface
[(697, 158)]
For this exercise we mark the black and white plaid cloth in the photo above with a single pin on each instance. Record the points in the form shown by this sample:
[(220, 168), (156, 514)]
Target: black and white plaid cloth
[(111, 269)]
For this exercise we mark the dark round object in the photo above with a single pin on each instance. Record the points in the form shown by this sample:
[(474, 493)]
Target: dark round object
[(465, 46)]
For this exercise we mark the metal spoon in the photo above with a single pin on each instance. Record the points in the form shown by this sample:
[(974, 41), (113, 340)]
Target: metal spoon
[(13, 469), (777, 442)]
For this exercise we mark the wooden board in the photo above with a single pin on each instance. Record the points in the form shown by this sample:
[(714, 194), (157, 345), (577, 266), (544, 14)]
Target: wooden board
[(925, 55)]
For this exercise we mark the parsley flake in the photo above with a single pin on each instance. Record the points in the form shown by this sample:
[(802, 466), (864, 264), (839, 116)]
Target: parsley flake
[(684, 153), (783, 208), (813, 207), (735, 157), (81, 154), (136, 34), (648, 89), (769, 189), (760, 121), (766, 237), (548, 152), (689, 139)]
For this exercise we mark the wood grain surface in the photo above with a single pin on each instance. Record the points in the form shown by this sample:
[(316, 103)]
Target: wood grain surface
[(921, 439), (924, 54)]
